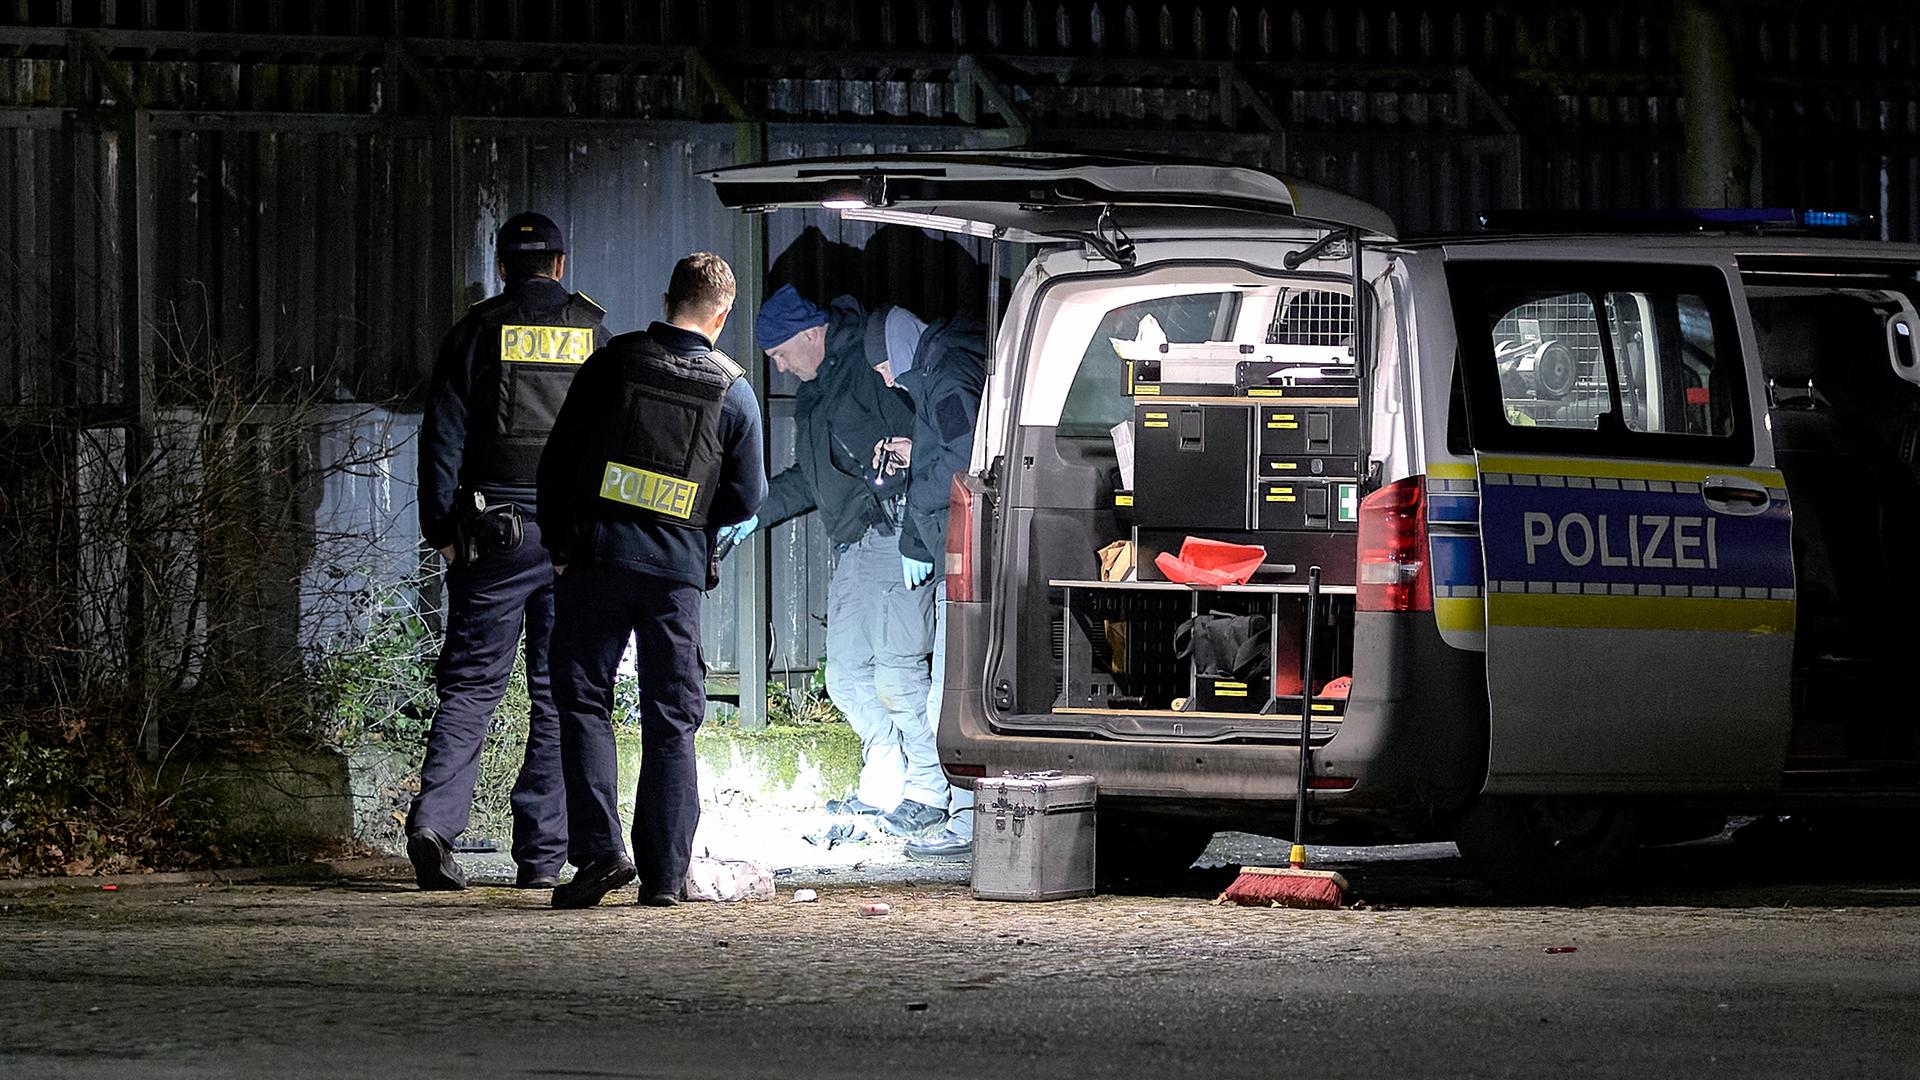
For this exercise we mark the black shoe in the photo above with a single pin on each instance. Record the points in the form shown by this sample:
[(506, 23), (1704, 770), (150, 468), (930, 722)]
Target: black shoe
[(852, 805), (434, 867), (593, 881), (912, 818), (949, 846), (535, 879), (663, 899)]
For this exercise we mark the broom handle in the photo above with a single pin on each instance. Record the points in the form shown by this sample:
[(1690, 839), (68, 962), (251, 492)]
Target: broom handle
[(1299, 854)]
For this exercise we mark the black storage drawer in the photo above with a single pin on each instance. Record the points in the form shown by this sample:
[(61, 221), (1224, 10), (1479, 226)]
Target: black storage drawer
[(1308, 503), (1305, 466), (1310, 430), (1192, 465), (1220, 693)]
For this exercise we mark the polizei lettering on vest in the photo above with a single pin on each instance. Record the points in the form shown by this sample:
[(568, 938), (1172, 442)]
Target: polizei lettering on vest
[(545, 344), (1653, 541), (648, 490)]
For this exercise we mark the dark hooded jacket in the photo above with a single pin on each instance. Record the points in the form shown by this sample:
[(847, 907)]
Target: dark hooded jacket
[(949, 372), (838, 417)]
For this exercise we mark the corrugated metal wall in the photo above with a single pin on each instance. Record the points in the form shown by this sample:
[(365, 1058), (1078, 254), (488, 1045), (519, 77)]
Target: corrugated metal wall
[(299, 253), (322, 211), (628, 196)]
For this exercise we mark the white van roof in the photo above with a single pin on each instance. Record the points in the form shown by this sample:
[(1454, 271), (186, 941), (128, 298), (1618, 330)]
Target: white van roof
[(1037, 195)]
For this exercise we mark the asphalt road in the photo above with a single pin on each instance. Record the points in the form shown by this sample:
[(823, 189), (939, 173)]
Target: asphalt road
[(1716, 962)]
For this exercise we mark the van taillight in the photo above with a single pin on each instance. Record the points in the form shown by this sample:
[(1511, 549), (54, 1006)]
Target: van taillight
[(1393, 549), (960, 509)]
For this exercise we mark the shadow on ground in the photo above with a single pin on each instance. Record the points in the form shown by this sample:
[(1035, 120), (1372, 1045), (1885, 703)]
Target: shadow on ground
[(1781, 866)]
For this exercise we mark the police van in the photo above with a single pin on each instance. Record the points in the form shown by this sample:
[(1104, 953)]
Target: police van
[(1612, 529)]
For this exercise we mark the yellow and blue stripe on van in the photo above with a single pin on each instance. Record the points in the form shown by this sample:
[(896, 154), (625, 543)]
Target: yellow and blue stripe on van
[(1453, 543), (1587, 543)]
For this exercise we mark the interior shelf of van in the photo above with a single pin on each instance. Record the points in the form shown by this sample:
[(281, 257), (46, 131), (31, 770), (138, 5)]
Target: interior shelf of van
[(1176, 586), (1156, 649)]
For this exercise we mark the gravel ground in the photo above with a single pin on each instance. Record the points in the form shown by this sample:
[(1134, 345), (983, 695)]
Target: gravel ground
[(1719, 963)]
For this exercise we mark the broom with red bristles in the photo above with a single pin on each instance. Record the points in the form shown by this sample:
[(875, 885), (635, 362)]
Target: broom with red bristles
[(1294, 886)]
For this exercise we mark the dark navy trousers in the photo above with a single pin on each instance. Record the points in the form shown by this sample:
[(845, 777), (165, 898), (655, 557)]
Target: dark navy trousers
[(598, 607), (488, 603)]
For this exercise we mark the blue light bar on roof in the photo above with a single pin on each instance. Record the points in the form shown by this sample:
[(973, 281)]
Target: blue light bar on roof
[(1697, 219), (1832, 219)]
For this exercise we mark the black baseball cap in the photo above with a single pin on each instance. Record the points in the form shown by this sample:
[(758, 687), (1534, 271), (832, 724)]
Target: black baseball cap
[(528, 231)]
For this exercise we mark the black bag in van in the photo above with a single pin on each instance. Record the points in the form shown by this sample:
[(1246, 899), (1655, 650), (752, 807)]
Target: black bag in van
[(1229, 654), (1225, 646)]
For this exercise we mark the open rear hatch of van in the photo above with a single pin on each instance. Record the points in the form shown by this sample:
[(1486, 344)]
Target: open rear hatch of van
[(1071, 654), (1028, 197)]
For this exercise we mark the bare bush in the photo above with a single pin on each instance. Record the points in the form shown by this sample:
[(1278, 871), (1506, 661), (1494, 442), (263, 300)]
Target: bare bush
[(171, 578)]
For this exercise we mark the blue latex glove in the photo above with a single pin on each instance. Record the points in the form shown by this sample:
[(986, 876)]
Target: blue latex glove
[(914, 572), (739, 531)]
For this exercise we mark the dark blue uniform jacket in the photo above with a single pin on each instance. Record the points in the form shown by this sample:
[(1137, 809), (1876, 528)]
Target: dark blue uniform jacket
[(660, 548), (462, 372)]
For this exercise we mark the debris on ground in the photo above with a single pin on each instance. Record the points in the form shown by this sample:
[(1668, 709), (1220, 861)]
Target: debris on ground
[(1557, 949), (876, 909), (843, 833), (728, 880), (805, 896)]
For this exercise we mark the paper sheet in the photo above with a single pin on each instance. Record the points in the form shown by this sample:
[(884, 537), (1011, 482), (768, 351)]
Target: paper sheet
[(1123, 449)]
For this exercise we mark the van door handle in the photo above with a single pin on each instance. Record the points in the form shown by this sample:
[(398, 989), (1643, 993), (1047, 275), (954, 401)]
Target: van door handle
[(1735, 495)]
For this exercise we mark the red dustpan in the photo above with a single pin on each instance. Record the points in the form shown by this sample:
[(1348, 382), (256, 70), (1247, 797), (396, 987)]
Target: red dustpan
[(1211, 562)]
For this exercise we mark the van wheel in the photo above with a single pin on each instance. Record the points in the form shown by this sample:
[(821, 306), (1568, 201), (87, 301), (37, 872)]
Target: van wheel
[(1131, 848), (1549, 847)]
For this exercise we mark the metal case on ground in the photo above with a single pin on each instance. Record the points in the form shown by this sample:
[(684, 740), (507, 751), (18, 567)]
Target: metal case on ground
[(1033, 837)]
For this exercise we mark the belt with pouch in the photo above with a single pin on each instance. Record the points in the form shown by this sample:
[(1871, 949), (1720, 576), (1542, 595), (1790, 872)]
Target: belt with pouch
[(482, 528)]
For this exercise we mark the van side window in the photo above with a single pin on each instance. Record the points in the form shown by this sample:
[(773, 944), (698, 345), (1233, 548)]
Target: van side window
[(1098, 398), (1552, 372), (1671, 373), (1619, 360)]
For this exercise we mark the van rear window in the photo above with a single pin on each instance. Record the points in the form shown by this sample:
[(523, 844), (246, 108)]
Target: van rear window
[(1098, 398)]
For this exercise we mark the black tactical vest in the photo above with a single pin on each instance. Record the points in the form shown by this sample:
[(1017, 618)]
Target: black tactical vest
[(657, 454), (523, 365)]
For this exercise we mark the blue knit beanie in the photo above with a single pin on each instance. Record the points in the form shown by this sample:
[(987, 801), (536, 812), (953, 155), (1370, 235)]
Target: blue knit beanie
[(785, 314)]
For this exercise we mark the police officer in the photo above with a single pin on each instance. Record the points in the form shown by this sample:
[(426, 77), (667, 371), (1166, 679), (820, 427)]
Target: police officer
[(502, 373), (943, 368), (657, 446), (879, 631)]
